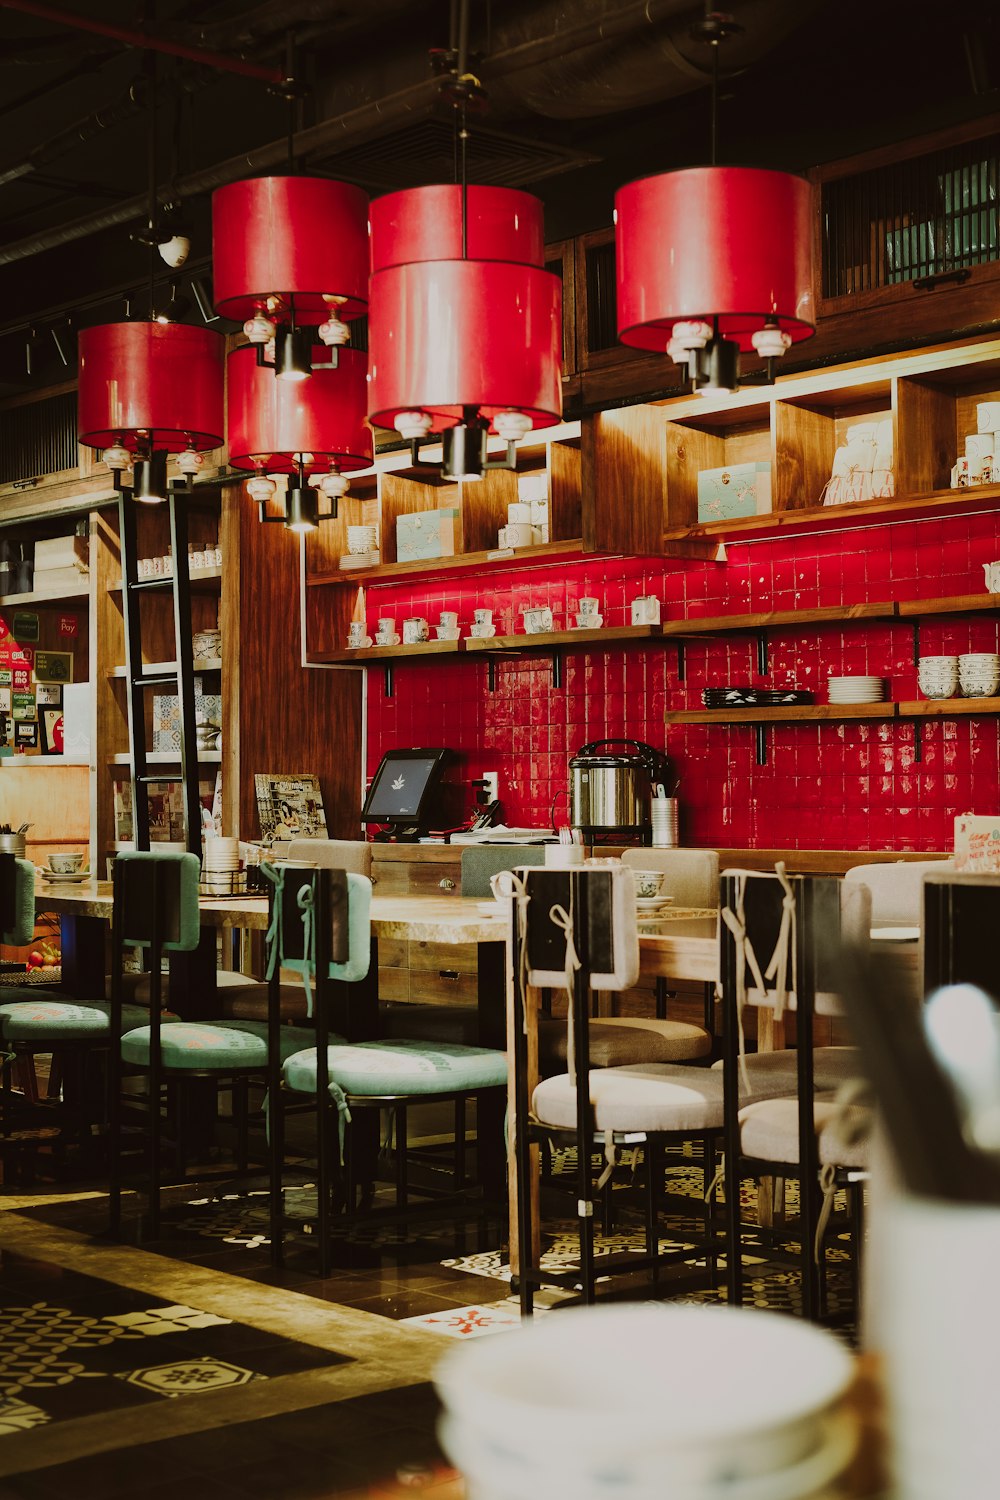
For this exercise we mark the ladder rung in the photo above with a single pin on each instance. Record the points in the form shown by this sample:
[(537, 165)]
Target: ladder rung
[(159, 776), (155, 679), (161, 581)]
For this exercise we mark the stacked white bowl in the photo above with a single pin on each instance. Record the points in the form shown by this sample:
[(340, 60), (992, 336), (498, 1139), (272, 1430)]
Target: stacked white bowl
[(856, 689), (938, 676), (220, 868), (979, 673), (640, 1403)]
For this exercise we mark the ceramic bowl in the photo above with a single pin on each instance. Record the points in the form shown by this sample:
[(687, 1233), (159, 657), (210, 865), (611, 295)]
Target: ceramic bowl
[(65, 864), (647, 883)]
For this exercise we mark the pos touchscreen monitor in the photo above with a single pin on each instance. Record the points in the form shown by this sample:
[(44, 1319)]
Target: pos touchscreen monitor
[(404, 790)]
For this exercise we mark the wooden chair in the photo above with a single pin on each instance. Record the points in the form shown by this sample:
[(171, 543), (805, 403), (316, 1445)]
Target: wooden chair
[(780, 936), (346, 1078)]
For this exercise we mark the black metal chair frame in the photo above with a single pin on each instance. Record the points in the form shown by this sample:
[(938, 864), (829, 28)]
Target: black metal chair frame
[(530, 1132), (806, 1171)]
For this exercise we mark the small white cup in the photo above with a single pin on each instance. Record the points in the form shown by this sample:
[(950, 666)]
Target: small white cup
[(537, 621), (356, 633), (646, 610), (415, 630), (519, 513), (481, 616), (386, 625), (65, 864), (588, 605), (648, 883), (386, 638), (516, 534), (563, 856), (448, 618)]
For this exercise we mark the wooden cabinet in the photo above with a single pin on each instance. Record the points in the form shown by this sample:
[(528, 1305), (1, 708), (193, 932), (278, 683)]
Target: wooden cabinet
[(423, 973)]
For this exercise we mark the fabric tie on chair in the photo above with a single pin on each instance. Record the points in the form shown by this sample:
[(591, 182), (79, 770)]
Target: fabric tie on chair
[(783, 957)]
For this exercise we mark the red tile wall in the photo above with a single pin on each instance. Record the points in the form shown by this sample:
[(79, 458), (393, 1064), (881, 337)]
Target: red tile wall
[(853, 785)]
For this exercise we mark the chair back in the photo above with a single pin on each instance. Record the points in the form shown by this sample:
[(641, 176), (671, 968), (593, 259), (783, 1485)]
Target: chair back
[(480, 862), (156, 900), (300, 900), (354, 855), (897, 888), (961, 918), (690, 876), (17, 901), (759, 932)]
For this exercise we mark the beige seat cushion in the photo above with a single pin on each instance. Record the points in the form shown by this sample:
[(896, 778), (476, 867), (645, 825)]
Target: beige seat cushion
[(617, 1041), (769, 1131), (654, 1096), (774, 1074)]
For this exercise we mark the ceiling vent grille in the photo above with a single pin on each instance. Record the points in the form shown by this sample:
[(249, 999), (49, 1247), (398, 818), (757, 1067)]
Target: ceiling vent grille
[(931, 215), (38, 438)]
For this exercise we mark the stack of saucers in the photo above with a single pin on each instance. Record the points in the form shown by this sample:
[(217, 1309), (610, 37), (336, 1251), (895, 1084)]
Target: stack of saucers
[(586, 1404), (220, 868), (979, 674), (856, 689), (938, 676)]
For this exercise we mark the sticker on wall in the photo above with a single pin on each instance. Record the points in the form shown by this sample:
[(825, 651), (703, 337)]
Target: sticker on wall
[(53, 666), (26, 735), (23, 706), (24, 626), (69, 625), (48, 694), (51, 721), (21, 679)]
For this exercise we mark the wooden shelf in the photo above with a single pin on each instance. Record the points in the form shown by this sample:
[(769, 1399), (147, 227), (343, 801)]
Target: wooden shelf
[(947, 708), (431, 567), (957, 604), (41, 760), (203, 581), (34, 598), (611, 635), (774, 619), (797, 713), (361, 654), (202, 664)]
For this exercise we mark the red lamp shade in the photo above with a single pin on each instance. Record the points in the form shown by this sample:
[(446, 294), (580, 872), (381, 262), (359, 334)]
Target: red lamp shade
[(732, 243), (153, 386), (426, 224), (446, 335), (297, 239), (271, 421)]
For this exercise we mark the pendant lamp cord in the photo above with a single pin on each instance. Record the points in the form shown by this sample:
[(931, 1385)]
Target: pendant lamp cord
[(713, 144), (151, 161)]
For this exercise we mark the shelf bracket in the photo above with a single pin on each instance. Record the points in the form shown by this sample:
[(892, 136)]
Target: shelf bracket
[(557, 669), (916, 643), (389, 685), (762, 664), (918, 740), (491, 674), (760, 744), (681, 662)]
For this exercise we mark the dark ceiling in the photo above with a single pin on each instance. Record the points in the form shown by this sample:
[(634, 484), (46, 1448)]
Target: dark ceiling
[(583, 95)]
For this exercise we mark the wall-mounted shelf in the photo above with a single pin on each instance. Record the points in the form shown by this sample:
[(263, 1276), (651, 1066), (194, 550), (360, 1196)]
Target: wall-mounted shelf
[(167, 758), (437, 566), (35, 597), (793, 713), (203, 581), (201, 664)]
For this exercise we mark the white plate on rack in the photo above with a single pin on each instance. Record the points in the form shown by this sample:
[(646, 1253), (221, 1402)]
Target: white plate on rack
[(653, 903), (51, 875)]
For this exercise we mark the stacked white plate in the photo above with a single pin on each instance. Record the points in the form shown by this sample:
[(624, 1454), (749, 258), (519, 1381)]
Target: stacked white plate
[(856, 689), (220, 868), (938, 676), (979, 673), (610, 1404)]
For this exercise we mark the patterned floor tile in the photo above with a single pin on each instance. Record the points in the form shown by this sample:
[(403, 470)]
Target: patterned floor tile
[(470, 1322)]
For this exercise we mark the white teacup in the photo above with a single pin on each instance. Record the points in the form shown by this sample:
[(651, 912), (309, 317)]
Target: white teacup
[(536, 621), (589, 605), (648, 883), (447, 632), (356, 633), (481, 616), (646, 610), (386, 625), (448, 618), (386, 638), (415, 630), (519, 513), (516, 534), (65, 864)]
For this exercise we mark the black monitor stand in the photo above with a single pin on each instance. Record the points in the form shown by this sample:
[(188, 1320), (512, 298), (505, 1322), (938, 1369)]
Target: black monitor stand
[(400, 834)]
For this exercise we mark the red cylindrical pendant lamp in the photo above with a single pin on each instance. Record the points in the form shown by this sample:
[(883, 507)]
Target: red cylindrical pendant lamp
[(714, 253), (151, 387), (463, 344), (274, 422)]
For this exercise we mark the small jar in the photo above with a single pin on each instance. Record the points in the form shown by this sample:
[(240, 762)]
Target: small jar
[(196, 558)]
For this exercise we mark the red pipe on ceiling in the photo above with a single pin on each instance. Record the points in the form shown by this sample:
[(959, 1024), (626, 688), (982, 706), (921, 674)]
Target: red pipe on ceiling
[(144, 40)]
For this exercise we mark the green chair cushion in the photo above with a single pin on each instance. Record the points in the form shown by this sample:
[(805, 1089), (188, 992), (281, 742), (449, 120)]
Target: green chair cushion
[(359, 935), (401, 1067), (23, 930), (62, 1020), (179, 874), (205, 1045)]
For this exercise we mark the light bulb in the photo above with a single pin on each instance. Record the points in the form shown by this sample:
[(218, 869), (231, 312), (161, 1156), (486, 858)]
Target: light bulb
[(770, 341), (260, 489), (511, 425), (334, 485), (333, 332), (259, 329), (117, 456), (189, 462), (413, 424)]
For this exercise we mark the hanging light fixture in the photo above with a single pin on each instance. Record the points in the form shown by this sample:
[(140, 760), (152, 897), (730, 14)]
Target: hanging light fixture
[(290, 261), (147, 389), (714, 261), (465, 331), (313, 431)]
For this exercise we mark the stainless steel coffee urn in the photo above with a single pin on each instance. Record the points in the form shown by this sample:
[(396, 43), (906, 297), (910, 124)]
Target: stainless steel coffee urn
[(611, 787)]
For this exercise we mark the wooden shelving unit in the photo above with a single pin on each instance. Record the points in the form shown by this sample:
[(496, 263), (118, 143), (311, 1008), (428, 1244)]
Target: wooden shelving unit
[(34, 598), (792, 713), (437, 566)]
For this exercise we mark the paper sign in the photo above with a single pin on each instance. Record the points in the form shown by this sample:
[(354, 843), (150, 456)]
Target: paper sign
[(53, 666), (69, 625), (47, 694), (24, 626), (24, 706), (977, 843), (6, 677)]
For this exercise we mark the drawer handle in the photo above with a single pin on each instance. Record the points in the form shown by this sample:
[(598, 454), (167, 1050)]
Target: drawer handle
[(446, 884), (447, 973)]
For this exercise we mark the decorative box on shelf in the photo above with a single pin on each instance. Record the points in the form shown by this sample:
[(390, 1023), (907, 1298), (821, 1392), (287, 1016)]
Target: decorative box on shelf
[(736, 490), (424, 534), (167, 717)]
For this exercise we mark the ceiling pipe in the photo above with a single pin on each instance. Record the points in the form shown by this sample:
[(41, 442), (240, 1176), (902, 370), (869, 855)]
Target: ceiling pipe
[(145, 41)]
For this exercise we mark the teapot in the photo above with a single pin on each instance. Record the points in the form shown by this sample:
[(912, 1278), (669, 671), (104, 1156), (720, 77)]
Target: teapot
[(991, 571)]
